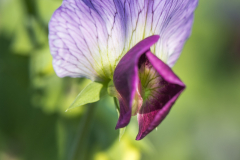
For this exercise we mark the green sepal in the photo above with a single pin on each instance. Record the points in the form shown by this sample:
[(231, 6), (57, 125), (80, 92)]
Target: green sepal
[(91, 93), (111, 89)]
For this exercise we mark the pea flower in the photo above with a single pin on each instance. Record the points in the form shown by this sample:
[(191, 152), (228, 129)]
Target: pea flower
[(129, 44)]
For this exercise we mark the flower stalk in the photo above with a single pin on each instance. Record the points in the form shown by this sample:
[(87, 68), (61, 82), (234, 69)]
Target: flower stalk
[(83, 128)]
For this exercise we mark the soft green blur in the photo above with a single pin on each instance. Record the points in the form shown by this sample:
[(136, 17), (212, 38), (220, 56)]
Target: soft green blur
[(204, 123)]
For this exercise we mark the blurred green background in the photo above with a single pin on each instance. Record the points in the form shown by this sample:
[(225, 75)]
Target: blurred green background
[(204, 124)]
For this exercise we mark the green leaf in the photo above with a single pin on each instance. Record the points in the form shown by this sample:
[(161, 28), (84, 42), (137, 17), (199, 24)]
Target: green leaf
[(91, 93)]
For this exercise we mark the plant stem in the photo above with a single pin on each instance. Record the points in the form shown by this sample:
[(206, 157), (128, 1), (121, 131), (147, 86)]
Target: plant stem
[(83, 128), (116, 103)]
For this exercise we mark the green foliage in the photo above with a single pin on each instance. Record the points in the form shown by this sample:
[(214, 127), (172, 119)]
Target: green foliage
[(203, 124), (91, 93)]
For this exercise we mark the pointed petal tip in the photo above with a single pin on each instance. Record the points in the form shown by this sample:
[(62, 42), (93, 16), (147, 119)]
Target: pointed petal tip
[(154, 37), (118, 126), (139, 137), (121, 124), (183, 86)]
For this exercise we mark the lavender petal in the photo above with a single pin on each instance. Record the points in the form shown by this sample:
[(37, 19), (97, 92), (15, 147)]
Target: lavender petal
[(85, 40), (170, 19)]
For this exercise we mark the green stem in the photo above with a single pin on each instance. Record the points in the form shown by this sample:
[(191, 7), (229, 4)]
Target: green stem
[(116, 103), (121, 130), (83, 128)]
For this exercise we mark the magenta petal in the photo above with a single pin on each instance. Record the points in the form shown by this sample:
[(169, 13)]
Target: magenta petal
[(154, 110), (126, 79)]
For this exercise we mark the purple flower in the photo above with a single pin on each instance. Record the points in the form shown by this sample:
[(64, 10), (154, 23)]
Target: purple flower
[(130, 42)]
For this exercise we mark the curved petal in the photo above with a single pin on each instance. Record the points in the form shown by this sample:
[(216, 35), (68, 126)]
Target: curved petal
[(126, 79), (170, 19), (111, 11), (89, 37), (85, 39), (162, 87)]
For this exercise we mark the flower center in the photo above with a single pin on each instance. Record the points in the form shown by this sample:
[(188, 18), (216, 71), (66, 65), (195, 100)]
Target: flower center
[(149, 78), (149, 86)]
